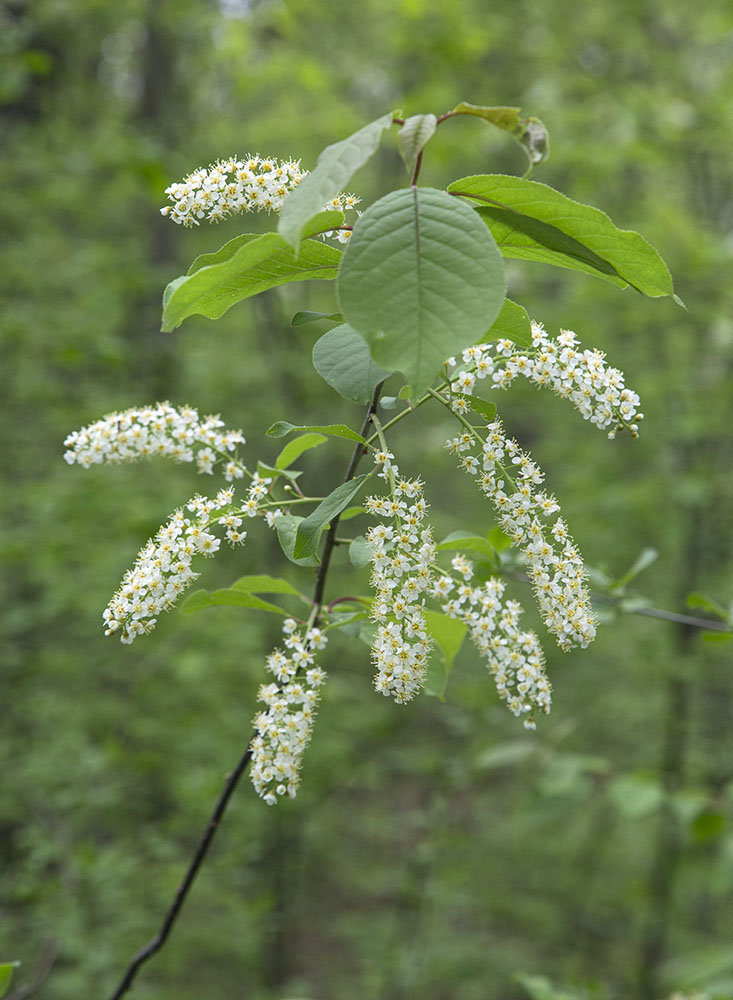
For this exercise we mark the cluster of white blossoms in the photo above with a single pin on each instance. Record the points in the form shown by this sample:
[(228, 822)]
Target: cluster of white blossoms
[(158, 430), (514, 655), (401, 554), (284, 728), (596, 390), (229, 187), (162, 570), (510, 479)]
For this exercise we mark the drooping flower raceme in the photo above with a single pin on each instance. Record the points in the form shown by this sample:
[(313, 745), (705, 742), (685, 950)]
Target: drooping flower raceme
[(514, 655), (510, 479), (597, 390), (158, 430), (401, 557), (233, 186), (283, 729), (163, 568)]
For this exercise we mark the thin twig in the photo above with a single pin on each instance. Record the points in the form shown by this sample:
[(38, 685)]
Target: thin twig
[(157, 942)]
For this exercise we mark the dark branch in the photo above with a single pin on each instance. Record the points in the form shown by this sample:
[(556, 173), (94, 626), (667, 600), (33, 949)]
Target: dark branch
[(156, 943)]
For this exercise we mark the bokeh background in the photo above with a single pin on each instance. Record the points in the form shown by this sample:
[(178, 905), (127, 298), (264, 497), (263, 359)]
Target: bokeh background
[(436, 850)]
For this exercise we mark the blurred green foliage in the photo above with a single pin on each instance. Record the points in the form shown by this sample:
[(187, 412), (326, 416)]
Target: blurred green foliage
[(435, 850)]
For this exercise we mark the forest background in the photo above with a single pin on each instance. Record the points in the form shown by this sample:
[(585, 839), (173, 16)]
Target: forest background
[(437, 850)]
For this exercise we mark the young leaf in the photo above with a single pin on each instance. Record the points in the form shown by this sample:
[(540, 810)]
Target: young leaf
[(359, 552), (464, 541), (286, 526), (513, 323), (419, 281), (531, 221), (310, 528), (305, 316), (530, 133), (413, 136), (332, 172), (342, 359), (254, 264), (260, 583), (281, 428), (483, 407), (294, 449), (227, 597), (6, 974), (448, 635)]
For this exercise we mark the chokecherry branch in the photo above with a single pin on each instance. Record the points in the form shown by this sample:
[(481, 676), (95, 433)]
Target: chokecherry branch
[(157, 942)]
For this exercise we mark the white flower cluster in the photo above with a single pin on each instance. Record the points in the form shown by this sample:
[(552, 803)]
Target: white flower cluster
[(401, 556), (162, 570), (596, 390), (284, 728), (160, 429), (229, 187), (510, 478), (514, 656)]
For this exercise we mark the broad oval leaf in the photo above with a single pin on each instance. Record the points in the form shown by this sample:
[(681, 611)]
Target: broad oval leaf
[(531, 221), (464, 541), (310, 528), (412, 137), (257, 263), (420, 281), (342, 359), (334, 168)]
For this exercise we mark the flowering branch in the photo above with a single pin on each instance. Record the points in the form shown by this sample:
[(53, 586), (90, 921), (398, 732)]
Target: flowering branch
[(199, 856)]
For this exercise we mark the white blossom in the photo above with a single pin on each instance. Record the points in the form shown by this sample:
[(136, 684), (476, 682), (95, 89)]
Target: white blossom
[(284, 727), (163, 568), (401, 554), (513, 655), (597, 390), (233, 186), (158, 430), (509, 477)]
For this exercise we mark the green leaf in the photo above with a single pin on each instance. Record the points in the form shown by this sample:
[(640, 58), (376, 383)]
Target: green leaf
[(448, 635), (513, 323), (419, 281), (715, 637), (228, 597), (636, 795), (270, 472), (359, 552), (464, 541), (350, 513), (309, 530), (260, 583), (531, 221), (342, 359), (6, 974), (481, 406), (305, 316), (281, 428), (255, 264), (697, 600), (412, 137), (294, 449), (287, 526), (333, 170), (530, 133), (645, 558)]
